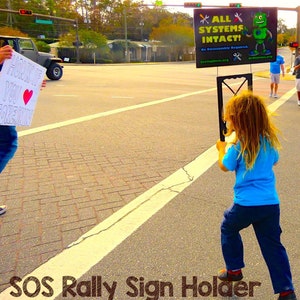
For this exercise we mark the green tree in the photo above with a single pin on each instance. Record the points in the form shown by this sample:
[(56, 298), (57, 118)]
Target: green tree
[(94, 45), (280, 39), (42, 46), (179, 38), (106, 17), (109, 18), (28, 24), (89, 39), (281, 27)]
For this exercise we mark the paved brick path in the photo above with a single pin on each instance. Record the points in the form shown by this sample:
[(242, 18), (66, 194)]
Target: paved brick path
[(63, 182)]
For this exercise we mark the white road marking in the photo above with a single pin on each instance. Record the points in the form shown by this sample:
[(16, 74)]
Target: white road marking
[(108, 113), (275, 105), (111, 112), (93, 246)]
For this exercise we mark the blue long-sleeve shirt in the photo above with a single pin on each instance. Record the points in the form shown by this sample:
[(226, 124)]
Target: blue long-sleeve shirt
[(256, 186)]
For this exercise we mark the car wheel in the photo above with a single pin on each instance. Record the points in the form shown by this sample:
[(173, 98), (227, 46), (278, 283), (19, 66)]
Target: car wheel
[(54, 72)]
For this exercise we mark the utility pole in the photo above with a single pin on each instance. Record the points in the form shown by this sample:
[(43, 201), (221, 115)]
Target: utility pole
[(127, 55), (9, 19), (77, 42), (297, 52)]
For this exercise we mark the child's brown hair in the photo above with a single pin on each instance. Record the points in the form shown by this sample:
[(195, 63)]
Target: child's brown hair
[(248, 116)]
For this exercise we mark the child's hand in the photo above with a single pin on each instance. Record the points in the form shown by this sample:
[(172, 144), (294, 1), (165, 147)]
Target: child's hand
[(221, 148), (221, 145)]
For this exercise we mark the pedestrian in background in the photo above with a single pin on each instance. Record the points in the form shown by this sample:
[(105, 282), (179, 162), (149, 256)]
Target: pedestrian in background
[(276, 68), (297, 73), (252, 156)]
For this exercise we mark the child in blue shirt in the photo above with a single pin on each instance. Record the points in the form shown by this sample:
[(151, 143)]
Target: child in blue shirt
[(252, 155)]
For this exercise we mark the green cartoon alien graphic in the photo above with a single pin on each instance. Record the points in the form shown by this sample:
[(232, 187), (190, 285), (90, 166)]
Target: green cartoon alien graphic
[(260, 33)]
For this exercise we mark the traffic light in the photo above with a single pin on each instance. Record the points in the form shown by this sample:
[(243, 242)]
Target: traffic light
[(294, 44), (25, 12), (192, 4), (235, 4)]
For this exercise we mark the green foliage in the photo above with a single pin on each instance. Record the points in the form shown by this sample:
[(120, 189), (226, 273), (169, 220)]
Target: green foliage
[(281, 27), (92, 39), (174, 35), (106, 17), (42, 46), (285, 35), (89, 39), (11, 31), (178, 38)]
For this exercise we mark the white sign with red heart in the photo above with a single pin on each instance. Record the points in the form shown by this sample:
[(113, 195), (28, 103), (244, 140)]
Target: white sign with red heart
[(20, 84)]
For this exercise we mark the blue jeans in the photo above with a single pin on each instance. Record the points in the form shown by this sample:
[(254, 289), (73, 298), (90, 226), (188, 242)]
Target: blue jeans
[(266, 224), (8, 144)]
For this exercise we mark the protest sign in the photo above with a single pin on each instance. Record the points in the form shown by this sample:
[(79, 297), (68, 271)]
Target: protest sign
[(20, 84), (233, 36)]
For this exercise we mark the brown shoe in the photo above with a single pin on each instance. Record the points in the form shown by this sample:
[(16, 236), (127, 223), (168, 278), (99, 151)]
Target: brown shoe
[(291, 296), (224, 275)]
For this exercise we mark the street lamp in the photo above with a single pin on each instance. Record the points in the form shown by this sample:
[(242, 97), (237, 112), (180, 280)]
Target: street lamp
[(297, 52), (77, 43), (127, 56), (142, 27)]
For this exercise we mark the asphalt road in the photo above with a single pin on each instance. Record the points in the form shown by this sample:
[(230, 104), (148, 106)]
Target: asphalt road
[(115, 185)]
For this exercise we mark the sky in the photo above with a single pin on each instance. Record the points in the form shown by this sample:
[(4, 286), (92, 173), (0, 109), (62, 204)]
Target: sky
[(289, 17)]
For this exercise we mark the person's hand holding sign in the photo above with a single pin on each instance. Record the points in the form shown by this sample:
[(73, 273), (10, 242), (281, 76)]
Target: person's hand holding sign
[(5, 52), (43, 84)]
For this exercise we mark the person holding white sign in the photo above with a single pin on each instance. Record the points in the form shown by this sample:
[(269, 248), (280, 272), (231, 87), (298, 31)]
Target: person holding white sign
[(8, 133)]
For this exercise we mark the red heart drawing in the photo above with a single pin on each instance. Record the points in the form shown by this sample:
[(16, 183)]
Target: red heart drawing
[(27, 96)]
